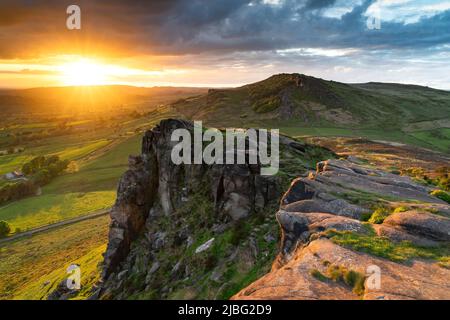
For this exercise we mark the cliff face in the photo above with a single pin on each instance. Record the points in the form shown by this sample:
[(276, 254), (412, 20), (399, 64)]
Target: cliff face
[(194, 231), (348, 230)]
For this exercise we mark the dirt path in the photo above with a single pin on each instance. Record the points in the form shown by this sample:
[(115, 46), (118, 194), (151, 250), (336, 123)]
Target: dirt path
[(54, 225)]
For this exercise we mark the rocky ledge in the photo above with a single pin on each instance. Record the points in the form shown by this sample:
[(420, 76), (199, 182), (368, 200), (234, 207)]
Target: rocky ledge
[(354, 232)]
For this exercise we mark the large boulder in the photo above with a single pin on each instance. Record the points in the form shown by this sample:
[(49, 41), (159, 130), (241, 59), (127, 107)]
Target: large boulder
[(300, 277), (317, 206), (421, 224)]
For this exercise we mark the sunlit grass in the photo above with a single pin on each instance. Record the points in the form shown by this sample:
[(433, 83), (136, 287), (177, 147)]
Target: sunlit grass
[(27, 264), (76, 152), (50, 208)]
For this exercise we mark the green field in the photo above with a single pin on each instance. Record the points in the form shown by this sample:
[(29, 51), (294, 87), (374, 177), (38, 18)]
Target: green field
[(101, 173), (98, 145), (9, 163), (31, 267), (50, 208), (79, 151), (425, 139), (90, 189), (439, 138), (99, 156)]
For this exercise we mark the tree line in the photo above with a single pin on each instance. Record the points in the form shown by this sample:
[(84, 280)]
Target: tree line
[(40, 171)]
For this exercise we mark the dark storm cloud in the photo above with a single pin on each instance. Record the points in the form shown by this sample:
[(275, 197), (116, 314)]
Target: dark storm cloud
[(30, 28), (319, 4)]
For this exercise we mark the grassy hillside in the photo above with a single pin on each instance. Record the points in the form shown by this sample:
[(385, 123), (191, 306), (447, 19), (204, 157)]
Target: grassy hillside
[(303, 104), (30, 268), (88, 98), (91, 188)]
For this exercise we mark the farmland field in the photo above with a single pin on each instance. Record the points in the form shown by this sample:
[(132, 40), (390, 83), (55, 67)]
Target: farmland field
[(89, 189), (97, 146), (31, 267)]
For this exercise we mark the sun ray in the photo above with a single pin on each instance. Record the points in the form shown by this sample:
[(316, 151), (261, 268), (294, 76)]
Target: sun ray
[(83, 72)]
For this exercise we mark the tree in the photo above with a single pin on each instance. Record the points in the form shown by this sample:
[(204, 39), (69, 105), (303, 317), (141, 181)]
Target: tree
[(42, 177), (5, 229), (27, 168)]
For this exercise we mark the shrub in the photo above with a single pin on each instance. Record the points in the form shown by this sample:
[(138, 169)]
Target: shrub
[(5, 229), (366, 216), (16, 191), (318, 275), (267, 104), (401, 209), (335, 273), (441, 195), (239, 233), (351, 278), (379, 215), (355, 280)]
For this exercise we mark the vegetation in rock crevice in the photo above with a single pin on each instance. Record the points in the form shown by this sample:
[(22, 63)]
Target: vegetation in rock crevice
[(340, 274), (402, 251)]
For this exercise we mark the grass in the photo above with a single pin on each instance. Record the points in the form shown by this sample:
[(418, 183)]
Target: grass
[(355, 280), (101, 173), (117, 156), (90, 189), (79, 151), (42, 210), (27, 264), (420, 139), (66, 147), (90, 275), (318, 275), (443, 195), (438, 138), (383, 247), (12, 162), (379, 215)]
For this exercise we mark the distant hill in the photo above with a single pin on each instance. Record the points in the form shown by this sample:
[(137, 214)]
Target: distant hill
[(88, 98), (307, 101), (297, 104)]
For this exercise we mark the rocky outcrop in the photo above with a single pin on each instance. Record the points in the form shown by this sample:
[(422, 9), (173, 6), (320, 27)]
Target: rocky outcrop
[(154, 186), (135, 196), (202, 231), (421, 224), (295, 279), (323, 232), (176, 221)]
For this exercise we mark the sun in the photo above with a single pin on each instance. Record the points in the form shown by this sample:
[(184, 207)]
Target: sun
[(83, 72)]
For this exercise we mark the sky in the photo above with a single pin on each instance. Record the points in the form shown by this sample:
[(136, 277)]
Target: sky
[(219, 43)]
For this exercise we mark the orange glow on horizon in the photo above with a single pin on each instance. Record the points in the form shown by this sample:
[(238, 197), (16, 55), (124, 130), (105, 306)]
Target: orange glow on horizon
[(82, 73), (79, 70)]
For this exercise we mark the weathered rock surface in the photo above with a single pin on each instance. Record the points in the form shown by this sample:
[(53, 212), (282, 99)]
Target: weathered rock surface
[(418, 280), (422, 224), (154, 179), (165, 214), (335, 198), (180, 231)]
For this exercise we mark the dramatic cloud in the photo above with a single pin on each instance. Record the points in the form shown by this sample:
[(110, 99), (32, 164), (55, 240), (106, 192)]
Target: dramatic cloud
[(281, 34)]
